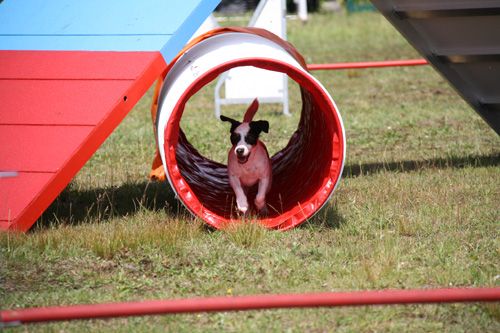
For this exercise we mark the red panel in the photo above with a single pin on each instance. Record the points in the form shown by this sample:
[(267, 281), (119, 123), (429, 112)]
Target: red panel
[(72, 102), (73, 64), (39, 148), (16, 193), (61, 148)]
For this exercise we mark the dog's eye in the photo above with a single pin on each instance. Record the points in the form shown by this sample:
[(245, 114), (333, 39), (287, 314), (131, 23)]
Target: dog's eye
[(251, 138), (235, 138)]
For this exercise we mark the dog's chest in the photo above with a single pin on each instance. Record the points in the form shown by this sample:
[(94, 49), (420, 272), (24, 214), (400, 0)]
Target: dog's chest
[(249, 173)]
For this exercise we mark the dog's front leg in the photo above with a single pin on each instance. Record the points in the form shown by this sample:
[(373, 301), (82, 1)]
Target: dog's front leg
[(260, 198), (241, 198)]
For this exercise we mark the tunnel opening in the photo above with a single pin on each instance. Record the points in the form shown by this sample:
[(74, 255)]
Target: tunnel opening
[(305, 171)]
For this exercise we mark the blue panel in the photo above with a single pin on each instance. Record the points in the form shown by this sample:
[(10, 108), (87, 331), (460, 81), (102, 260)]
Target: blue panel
[(100, 25), (188, 28), (86, 43)]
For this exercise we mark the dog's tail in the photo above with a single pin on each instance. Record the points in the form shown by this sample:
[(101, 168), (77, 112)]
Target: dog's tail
[(251, 111)]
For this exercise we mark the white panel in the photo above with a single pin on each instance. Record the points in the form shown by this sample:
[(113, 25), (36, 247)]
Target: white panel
[(249, 82), (243, 84)]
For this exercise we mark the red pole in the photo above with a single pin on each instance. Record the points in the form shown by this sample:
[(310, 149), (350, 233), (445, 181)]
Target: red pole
[(367, 64), (238, 303)]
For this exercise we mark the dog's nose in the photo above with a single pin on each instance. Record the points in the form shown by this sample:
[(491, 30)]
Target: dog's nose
[(240, 151)]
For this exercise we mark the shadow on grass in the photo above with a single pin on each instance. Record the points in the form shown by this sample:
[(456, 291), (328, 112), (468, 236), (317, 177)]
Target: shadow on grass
[(75, 206), (327, 218), (455, 162)]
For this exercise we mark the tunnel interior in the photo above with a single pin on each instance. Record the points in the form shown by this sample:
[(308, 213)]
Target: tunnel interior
[(305, 171)]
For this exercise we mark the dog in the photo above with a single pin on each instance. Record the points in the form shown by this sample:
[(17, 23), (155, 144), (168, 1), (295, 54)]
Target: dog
[(248, 161)]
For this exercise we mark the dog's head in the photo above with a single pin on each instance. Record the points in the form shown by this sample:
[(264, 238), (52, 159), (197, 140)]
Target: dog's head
[(244, 136)]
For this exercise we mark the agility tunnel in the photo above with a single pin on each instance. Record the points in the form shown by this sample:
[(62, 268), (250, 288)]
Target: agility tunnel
[(305, 172)]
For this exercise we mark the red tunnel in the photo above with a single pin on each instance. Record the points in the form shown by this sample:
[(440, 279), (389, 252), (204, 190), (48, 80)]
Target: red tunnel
[(305, 172)]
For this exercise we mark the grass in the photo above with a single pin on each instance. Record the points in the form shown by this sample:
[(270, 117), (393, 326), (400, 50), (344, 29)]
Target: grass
[(417, 208)]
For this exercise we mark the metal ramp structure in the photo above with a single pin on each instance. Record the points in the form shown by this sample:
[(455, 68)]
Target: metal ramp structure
[(70, 71), (461, 39)]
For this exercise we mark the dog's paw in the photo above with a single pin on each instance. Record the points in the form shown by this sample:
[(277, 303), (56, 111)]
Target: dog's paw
[(260, 203), (243, 210), (242, 204), (264, 211)]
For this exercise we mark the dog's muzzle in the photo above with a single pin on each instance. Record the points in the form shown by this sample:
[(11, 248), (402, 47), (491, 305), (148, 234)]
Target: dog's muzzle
[(242, 153)]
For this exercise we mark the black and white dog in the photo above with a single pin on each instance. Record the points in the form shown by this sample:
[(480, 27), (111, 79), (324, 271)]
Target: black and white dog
[(248, 160)]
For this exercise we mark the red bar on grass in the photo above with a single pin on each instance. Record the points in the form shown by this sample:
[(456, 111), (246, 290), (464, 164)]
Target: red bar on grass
[(367, 64), (256, 302)]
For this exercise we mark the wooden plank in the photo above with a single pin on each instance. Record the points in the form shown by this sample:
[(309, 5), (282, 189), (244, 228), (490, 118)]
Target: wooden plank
[(46, 65), (96, 25), (94, 17), (72, 102), (17, 193), (122, 43), (39, 148), (64, 149)]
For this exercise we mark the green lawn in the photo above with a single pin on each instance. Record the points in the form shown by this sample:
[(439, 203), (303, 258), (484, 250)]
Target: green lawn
[(417, 207)]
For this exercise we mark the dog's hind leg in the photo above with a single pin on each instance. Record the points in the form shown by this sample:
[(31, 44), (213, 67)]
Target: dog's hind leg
[(260, 198)]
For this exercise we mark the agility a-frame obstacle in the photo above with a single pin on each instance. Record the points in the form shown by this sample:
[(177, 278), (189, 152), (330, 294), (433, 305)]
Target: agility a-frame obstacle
[(461, 40), (68, 78)]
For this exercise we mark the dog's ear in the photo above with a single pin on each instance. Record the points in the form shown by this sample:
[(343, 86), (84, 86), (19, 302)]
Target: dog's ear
[(260, 126), (234, 123)]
